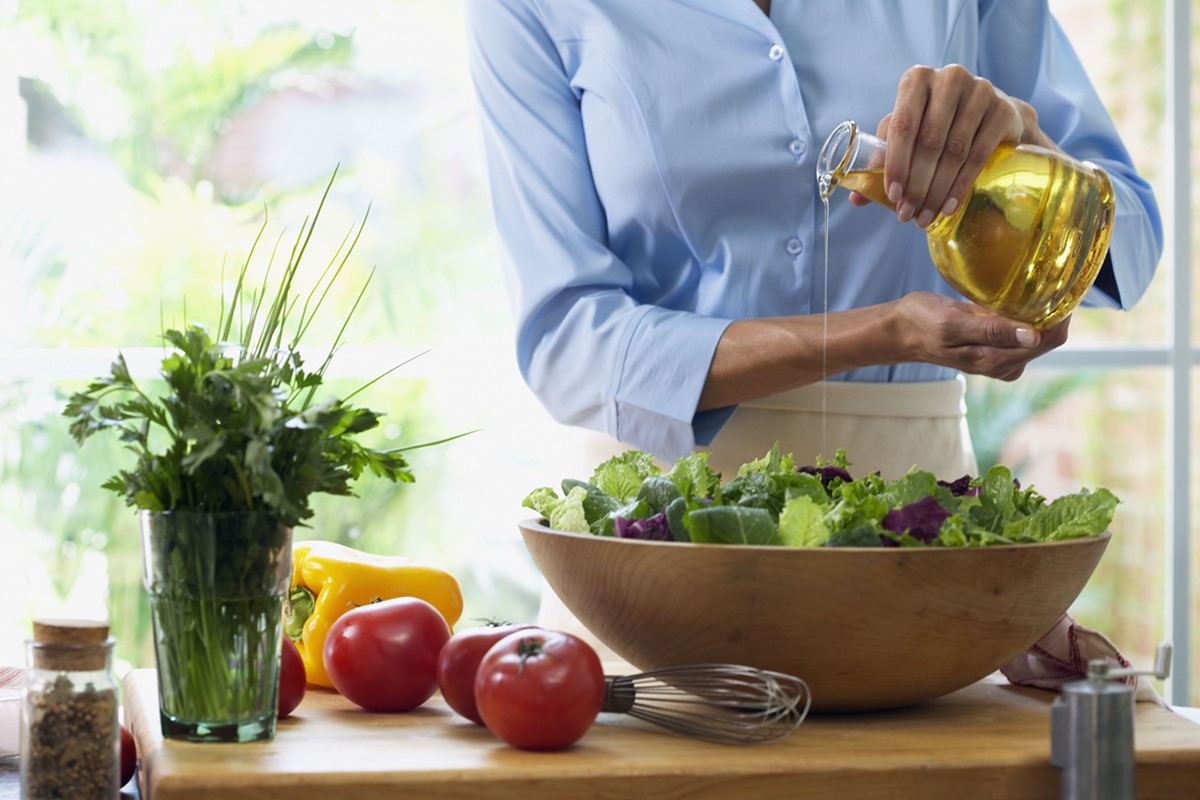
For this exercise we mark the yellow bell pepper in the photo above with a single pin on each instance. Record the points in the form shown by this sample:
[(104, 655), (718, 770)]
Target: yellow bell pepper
[(329, 579)]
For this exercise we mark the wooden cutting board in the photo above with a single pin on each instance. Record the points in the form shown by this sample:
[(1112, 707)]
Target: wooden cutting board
[(990, 740)]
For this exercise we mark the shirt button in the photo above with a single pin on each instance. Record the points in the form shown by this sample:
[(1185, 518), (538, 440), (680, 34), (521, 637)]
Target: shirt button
[(776, 52), (795, 247), (797, 147)]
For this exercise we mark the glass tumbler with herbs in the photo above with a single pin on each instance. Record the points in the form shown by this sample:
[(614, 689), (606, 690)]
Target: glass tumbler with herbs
[(228, 457)]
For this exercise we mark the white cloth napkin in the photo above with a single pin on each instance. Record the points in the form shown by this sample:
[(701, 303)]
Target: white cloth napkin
[(1062, 655), (11, 681)]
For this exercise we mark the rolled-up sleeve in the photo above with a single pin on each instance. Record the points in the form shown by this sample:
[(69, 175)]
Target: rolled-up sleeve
[(593, 355)]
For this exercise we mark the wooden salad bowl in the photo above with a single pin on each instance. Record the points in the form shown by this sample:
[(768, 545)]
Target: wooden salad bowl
[(866, 628)]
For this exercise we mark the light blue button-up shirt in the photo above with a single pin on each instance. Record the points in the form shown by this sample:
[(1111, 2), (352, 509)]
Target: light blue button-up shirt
[(652, 165)]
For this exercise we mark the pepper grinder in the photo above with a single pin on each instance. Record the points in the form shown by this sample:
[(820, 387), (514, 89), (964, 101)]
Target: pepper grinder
[(1091, 731)]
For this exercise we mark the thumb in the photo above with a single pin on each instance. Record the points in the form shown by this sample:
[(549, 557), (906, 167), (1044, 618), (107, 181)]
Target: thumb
[(1000, 332), (1027, 336)]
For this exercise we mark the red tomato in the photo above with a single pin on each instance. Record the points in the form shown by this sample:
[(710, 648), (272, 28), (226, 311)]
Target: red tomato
[(459, 661), (539, 689), (128, 755), (383, 656), (292, 677)]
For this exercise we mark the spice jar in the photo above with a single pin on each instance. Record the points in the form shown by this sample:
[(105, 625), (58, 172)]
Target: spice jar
[(70, 732)]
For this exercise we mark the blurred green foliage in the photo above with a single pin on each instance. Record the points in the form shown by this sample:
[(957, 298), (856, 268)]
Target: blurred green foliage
[(153, 87), (158, 81), (996, 409)]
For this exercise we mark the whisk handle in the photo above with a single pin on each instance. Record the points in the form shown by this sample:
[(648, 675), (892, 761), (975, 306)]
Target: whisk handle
[(619, 694)]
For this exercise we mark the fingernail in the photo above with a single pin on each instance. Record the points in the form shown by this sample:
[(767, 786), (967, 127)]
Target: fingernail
[(925, 218), (895, 192), (1026, 337), (951, 204), (906, 212)]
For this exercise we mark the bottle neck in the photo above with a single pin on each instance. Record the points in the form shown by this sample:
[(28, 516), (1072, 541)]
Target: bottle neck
[(837, 157)]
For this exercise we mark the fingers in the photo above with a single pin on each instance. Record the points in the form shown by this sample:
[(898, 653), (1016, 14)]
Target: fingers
[(936, 157), (994, 125), (941, 131), (998, 332), (912, 97), (968, 144), (965, 337)]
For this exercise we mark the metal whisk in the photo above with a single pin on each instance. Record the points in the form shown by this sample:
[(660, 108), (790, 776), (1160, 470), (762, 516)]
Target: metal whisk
[(727, 703)]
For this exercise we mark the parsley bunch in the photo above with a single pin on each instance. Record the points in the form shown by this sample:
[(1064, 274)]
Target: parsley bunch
[(239, 427)]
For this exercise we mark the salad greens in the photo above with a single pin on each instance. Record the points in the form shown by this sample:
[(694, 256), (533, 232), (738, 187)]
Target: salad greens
[(771, 501)]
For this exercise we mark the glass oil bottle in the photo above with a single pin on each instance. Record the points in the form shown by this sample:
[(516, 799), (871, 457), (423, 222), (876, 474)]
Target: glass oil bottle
[(1029, 240)]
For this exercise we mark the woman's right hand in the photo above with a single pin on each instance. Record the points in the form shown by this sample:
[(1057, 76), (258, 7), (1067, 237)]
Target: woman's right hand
[(945, 124), (968, 338)]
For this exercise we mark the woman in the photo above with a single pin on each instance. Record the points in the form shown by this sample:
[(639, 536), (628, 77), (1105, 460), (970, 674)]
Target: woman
[(652, 168)]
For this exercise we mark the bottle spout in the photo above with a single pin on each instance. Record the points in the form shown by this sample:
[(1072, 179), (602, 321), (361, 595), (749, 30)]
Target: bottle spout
[(853, 159), (836, 156)]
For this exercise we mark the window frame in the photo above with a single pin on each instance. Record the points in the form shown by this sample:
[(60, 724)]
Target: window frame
[(1178, 355)]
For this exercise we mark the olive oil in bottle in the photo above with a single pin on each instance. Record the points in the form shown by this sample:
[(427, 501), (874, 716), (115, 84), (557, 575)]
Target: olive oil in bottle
[(1030, 238)]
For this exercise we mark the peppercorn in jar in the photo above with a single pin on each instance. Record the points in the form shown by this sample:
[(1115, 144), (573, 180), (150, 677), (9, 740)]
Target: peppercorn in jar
[(70, 731)]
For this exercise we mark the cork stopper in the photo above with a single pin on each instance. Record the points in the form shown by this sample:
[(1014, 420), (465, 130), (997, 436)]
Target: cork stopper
[(70, 644)]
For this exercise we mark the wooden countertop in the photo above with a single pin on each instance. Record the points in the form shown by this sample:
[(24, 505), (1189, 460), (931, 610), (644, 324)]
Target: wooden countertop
[(990, 740)]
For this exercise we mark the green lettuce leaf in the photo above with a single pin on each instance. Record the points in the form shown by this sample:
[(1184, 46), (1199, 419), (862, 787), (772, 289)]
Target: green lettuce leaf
[(732, 525), (1068, 517), (802, 522), (596, 504), (693, 477), (621, 476), (561, 513), (771, 502)]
